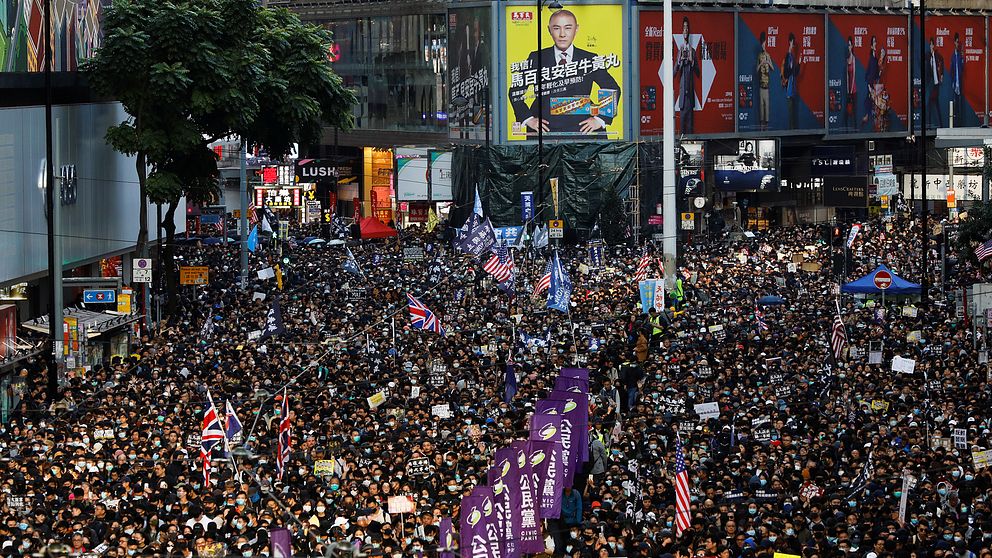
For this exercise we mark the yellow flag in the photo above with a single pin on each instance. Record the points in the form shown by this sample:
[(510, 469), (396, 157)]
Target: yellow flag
[(278, 277), (432, 219)]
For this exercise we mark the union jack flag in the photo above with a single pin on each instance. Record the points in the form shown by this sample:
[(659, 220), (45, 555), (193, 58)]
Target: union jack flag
[(642, 268), (759, 319), (422, 318), (682, 514), (285, 435), (213, 433), (500, 264), (545, 281)]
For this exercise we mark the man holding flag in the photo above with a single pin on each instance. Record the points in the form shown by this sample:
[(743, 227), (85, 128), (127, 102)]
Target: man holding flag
[(211, 435)]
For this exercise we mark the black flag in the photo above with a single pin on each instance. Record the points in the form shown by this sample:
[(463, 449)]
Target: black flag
[(273, 322)]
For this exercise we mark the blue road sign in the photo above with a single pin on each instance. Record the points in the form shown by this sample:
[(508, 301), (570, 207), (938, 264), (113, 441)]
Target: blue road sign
[(97, 296)]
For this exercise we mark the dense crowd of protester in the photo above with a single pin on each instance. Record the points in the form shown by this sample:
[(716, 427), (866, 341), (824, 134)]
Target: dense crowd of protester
[(809, 456)]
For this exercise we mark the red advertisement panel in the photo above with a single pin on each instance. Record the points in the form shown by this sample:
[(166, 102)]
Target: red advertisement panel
[(954, 77), (867, 73), (780, 66), (704, 72)]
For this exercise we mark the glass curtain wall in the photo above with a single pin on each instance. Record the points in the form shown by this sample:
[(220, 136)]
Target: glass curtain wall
[(396, 65)]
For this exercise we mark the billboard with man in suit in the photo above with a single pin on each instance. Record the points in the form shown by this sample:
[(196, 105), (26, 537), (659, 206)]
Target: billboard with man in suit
[(581, 67)]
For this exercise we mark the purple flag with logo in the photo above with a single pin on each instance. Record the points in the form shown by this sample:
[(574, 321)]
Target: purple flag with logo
[(487, 497), (566, 436), (447, 540), (530, 509), (281, 543), (506, 486), (581, 373), (473, 534), (577, 411), (545, 459), (577, 385)]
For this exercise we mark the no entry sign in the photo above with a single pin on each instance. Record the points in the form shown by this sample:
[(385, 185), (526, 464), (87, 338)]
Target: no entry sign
[(882, 279)]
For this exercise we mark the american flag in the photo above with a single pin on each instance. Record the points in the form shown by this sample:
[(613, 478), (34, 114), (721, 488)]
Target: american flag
[(682, 519), (839, 338), (984, 251), (285, 435), (500, 264), (759, 319), (422, 318), (545, 281), (212, 435), (642, 268)]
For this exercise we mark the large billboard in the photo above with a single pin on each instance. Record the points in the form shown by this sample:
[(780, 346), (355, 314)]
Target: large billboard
[(780, 71), (867, 73), (955, 71), (703, 67), (581, 69), (754, 167), (76, 31), (468, 72)]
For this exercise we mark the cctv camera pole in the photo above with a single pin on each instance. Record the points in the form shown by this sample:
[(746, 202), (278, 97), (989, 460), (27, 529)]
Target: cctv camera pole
[(668, 182), (924, 213)]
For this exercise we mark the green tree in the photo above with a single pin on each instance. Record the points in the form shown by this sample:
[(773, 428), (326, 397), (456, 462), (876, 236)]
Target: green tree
[(189, 72)]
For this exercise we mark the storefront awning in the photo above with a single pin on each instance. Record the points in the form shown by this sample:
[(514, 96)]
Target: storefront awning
[(93, 323)]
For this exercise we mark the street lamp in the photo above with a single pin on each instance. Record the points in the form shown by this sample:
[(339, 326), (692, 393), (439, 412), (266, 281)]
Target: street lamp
[(539, 92)]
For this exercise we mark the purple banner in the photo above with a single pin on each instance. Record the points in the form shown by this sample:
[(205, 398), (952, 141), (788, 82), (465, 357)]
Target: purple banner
[(503, 478), (447, 540), (566, 436), (478, 528), (487, 497), (581, 373), (281, 543), (577, 385), (545, 459), (577, 411), (529, 535)]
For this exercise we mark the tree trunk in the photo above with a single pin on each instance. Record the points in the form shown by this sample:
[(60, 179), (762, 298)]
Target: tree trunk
[(169, 260), (142, 243)]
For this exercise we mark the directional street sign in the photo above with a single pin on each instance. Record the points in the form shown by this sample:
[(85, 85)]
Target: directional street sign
[(99, 296)]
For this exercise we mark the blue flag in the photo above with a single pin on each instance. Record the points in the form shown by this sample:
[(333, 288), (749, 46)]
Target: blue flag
[(253, 239), (350, 264), (477, 206), (560, 292), (477, 236), (510, 387)]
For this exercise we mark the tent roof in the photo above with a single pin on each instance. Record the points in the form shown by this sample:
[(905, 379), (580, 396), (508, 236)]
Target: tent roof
[(373, 228), (866, 284)]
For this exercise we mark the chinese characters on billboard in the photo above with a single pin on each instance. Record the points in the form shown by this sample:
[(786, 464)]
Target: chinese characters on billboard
[(581, 68), (704, 72), (868, 69), (468, 71), (954, 76), (780, 66)]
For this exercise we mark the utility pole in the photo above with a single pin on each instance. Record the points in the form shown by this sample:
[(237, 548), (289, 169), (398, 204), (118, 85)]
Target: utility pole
[(924, 213), (668, 155), (244, 215), (54, 244)]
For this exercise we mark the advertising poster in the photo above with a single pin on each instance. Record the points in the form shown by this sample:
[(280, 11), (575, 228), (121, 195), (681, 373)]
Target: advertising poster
[(703, 71), (411, 173), (954, 77), (690, 157), (780, 72), (581, 68), (468, 71), (753, 168), (867, 74)]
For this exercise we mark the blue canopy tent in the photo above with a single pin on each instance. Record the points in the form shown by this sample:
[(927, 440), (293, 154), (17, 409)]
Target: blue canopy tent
[(866, 284)]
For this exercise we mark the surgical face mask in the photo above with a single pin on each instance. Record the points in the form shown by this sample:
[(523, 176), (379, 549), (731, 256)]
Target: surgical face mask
[(750, 532), (752, 511), (321, 509), (955, 474), (772, 538), (22, 526), (942, 491), (852, 504), (790, 532), (335, 486), (948, 536), (356, 439), (897, 493), (969, 477), (240, 501)]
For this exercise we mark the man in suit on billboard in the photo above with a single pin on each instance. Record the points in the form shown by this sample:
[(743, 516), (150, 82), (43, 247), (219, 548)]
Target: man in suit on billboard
[(935, 77), (563, 27), (686, 71), (957, 78)]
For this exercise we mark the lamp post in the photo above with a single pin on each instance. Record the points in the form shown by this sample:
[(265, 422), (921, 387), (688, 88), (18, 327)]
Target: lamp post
[(539, 92)]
